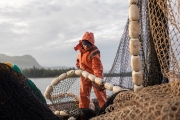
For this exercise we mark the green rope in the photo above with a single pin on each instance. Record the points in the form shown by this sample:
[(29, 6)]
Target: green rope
[(36, 91), (32, 86)]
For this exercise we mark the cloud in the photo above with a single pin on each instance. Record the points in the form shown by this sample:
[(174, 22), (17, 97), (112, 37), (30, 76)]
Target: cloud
[(49, 30)]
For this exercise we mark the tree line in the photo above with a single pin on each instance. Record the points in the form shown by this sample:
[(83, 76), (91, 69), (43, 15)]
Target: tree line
[(42, 72)]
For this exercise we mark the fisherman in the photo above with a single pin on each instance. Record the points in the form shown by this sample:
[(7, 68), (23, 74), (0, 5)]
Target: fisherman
[(89, 60)]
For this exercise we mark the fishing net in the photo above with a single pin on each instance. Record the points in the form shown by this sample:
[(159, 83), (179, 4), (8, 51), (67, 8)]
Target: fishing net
[(159, 51), (121, 67), (64, 93), (158, 102), (164, 16), (17, 101), (31, 85), (64, 99), (159, 37)]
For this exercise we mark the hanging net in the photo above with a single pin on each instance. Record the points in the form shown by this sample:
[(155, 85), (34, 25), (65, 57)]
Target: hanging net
[(159, 37), (164, 18), (159, 51), (150, 65)]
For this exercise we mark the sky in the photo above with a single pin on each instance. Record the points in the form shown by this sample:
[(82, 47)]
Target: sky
[(49, 30)]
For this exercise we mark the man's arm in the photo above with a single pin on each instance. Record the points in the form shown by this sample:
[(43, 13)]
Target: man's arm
[(77, 63), (97, 66), (78, 60)]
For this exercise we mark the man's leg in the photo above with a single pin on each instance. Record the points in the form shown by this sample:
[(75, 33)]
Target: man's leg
[(85, 89), (101, 96)]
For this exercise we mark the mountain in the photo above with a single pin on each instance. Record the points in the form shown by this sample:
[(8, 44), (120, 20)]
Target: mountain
[(25, 61)]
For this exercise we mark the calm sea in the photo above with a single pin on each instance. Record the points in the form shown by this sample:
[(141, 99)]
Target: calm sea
[(43, 83)]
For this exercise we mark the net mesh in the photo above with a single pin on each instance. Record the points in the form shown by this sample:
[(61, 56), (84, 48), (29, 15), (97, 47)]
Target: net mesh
[(158, 102), (159, 51), (165, 28), (17, 101), (159, 37), (150, 65), (63, 96)]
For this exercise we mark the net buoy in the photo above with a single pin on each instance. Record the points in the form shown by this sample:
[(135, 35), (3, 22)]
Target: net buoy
[(133, 12), (137, 78), (78, 72), (62, 76), (117, 89), (137, 88), (49, 89), (108, 86), (99, 81), (136, 63), (55, 81), (85, 74), (134, 46), (70, 73), (92, 77), (133, 2), (134, 29)]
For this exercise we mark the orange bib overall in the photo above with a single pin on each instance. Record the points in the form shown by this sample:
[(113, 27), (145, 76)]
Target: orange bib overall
[(94, 66), (89, 60)]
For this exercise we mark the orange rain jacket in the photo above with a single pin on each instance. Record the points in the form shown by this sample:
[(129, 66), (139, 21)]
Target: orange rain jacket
[(89, 60)]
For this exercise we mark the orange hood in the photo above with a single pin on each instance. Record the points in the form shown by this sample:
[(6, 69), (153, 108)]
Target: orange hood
[(89, 36), (78, 46)]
